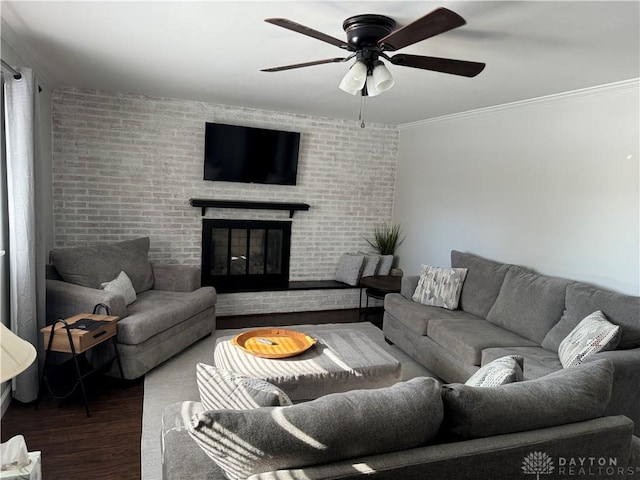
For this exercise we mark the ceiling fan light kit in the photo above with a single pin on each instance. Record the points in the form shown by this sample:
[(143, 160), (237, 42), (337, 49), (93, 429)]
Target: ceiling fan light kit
[(370, 36), (382, 78), (355, 78), (372, 91)]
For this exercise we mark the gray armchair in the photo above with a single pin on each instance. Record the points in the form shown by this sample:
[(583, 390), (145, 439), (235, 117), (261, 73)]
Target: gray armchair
[(171, 310)]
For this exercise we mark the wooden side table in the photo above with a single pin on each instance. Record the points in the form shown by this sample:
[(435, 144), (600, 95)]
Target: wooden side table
[(77, 335), (378, 286)]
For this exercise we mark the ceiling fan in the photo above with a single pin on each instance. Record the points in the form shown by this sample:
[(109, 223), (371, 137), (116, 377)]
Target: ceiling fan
[(369, 37)]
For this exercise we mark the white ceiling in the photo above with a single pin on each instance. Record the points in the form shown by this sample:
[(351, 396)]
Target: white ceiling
[(213, 52)]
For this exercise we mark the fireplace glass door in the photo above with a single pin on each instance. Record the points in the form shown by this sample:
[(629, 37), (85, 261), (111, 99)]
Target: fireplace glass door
[(243, 255)]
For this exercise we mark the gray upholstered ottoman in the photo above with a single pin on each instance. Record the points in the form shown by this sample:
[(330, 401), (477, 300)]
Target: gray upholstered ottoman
[(341, 360)]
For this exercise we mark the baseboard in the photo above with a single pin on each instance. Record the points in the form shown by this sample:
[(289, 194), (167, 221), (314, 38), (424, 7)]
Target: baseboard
[(6, 399)]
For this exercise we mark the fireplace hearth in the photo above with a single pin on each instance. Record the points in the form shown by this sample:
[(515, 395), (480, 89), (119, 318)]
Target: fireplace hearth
[(245, 255)]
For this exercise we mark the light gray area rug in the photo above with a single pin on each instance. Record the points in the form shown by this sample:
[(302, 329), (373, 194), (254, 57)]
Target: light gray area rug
[(175, 381)]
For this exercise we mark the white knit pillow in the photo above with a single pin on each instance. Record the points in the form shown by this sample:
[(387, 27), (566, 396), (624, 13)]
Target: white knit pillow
[(121, 285), (222, 389), (498, 372), (593, 334)]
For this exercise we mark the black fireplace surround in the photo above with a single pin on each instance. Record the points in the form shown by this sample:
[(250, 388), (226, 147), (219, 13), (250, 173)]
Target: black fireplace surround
[(245, 255), (233, 269)]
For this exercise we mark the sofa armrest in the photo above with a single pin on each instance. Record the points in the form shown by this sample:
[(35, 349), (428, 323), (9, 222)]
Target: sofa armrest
[(625, 396), (408, 285), (175, 278), (182, 458), (67, 299)]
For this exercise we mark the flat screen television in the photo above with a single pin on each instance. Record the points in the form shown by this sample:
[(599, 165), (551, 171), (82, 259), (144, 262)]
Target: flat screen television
[(234, 153)]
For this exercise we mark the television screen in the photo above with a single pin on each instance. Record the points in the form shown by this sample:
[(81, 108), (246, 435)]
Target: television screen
[(234, 153)]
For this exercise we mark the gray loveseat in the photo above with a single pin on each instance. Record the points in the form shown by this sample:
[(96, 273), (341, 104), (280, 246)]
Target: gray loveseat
[(171, 310), (506, 309), (415, 430)]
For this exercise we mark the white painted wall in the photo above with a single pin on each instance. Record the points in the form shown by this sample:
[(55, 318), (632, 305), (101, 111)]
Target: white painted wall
[(552, 184)]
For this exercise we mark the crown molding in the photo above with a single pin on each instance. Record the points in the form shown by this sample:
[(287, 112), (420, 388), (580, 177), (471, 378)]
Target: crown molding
[(633, 83), (13, 41)]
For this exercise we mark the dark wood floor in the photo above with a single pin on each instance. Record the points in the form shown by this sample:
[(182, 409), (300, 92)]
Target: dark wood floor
[(106, 446), (74, 447)]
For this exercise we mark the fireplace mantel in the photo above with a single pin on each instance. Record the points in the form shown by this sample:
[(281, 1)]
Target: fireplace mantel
[(204, 204)]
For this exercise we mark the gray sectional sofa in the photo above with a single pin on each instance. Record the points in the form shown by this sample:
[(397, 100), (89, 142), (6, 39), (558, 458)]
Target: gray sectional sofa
[(507, 309), (415, 430), (556, 423), (171, 310)]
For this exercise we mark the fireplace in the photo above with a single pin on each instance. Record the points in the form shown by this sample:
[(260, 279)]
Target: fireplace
[(245, 255)]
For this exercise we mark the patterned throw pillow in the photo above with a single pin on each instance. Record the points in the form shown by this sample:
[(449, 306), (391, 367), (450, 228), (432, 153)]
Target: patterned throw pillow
[(349, 269), (440, 287), (222, 389), (499, 372), (593, 334), (121, 285)]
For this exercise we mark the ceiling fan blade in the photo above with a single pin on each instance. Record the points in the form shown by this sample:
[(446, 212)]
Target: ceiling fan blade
[(439, 21), (306, 64), (444, 65), (310, 32)]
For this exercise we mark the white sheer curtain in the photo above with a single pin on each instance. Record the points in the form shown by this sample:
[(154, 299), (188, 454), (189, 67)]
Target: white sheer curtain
[(22, 150)]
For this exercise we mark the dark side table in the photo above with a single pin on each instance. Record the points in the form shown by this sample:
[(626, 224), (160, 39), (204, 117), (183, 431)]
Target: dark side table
[(378, 286)]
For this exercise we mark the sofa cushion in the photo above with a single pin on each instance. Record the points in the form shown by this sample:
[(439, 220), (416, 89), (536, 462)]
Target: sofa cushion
[(90, 266), (331, 428), (408, 285), (440, 287), (566, 396), (121, 285), (503, 370), (592, 335), (529, 304), (416, 316), (176, 278), (538, 361), (156, 311), (349, 269), (582, 299), (483, 282), (467, 338), (220, 389)]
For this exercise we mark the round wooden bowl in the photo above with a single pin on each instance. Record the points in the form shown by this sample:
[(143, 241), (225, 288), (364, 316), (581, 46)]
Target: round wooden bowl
[(273, 342)]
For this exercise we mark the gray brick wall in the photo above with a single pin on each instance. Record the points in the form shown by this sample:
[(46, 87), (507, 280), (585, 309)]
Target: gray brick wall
[(126, 165)]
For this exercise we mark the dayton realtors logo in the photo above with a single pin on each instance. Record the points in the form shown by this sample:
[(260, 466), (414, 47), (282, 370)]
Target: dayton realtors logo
[(539, 463)]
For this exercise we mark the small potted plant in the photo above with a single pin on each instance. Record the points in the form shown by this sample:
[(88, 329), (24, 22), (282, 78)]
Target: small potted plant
[(386, 238)]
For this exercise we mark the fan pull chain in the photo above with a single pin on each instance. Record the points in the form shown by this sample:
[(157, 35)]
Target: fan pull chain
[(361, 117)]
